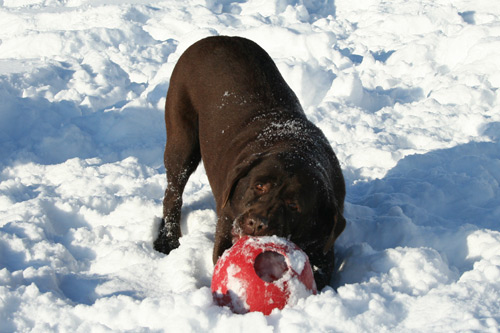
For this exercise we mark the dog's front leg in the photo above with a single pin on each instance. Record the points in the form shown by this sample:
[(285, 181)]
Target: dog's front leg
[(223, 236)]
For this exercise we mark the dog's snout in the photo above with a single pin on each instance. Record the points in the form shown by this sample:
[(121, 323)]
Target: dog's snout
[(255, 225)]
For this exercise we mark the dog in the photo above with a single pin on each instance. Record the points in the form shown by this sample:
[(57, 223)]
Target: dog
[(271, 171)]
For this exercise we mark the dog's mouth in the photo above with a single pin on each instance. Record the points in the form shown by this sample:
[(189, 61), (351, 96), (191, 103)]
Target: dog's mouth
[(246, 225), (237, 231), (235, 235)]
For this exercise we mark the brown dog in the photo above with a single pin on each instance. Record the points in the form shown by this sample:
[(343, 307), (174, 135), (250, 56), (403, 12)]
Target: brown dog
[(272, 172)]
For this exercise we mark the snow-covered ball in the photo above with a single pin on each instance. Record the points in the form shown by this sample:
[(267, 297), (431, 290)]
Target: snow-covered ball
[(262, 274)]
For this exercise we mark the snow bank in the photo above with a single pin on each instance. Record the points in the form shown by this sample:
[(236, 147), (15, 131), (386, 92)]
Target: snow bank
[(407, 92)]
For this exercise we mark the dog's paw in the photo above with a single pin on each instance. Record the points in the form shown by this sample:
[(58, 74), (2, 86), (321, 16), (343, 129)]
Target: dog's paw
[(168, 238), (163, 245)]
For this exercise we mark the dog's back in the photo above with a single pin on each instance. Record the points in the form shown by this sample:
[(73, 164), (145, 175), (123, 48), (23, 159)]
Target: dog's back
[(221, 85)]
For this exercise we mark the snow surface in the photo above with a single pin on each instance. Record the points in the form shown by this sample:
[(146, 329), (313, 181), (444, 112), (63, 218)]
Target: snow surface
[(407, 92)]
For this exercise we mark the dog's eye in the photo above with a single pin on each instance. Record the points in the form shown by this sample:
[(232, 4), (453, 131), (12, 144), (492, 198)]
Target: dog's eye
[(292, 205), (261, 188)]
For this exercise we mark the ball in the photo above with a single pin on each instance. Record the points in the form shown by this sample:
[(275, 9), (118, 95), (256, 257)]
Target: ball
[(262, 274)]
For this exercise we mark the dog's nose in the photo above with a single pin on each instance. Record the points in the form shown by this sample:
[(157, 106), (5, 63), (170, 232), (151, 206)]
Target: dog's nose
[(255, 226)]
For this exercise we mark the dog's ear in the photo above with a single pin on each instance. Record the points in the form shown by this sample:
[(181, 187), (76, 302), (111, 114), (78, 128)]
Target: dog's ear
[(338, 226), (238, 172)]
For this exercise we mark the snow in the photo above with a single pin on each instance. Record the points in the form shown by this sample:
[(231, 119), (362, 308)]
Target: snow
[(407, 93), (237, 290)]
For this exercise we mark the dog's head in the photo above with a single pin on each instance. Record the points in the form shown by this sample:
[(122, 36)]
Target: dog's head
[(287, 195)]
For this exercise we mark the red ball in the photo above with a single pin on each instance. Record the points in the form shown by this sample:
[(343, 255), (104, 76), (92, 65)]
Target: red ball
[(262, 274)]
